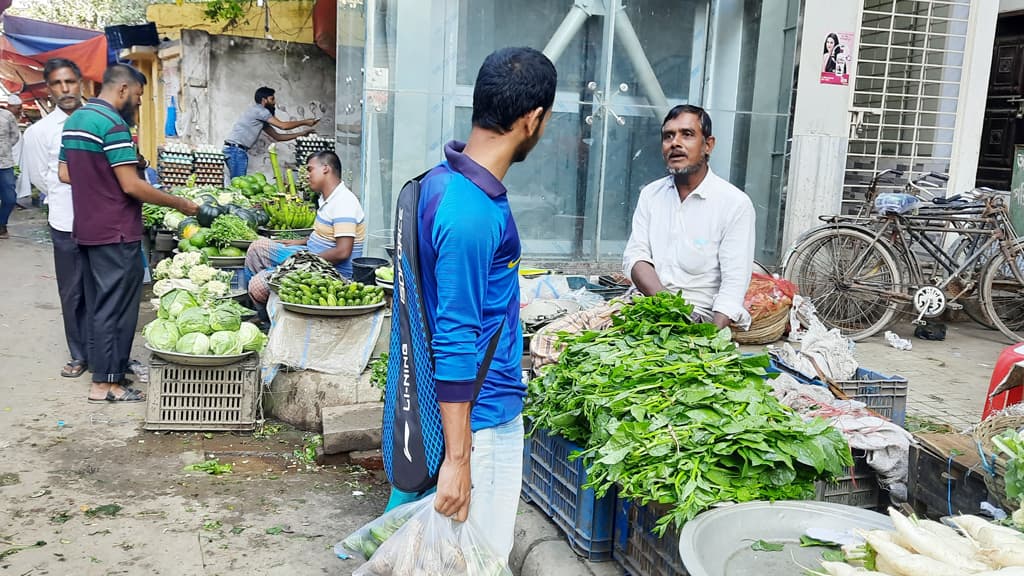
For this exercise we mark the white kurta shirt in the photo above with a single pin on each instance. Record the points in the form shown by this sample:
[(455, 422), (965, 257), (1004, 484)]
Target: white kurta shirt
[(703, 246), (40, 155)]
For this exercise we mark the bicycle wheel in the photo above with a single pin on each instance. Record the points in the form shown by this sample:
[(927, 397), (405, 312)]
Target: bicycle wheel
[(963, 250), (850, 279), (1002, 292)]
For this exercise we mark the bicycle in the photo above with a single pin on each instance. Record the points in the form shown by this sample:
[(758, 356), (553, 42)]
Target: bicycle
[(860, 272)]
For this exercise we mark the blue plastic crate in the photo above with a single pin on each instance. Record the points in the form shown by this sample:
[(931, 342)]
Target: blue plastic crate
[(237, 277), (555, 485), (886, 395), (638, 549)]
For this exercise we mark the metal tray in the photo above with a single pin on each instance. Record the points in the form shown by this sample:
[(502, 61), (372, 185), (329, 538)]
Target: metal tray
[(718, 542), (241, 244), (226, 261), (273, 233), (331, 310), (388, 287), (196, 360)]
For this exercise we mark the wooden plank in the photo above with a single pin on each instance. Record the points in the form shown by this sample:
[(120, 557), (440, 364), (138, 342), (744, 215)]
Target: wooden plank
[(942, 445)]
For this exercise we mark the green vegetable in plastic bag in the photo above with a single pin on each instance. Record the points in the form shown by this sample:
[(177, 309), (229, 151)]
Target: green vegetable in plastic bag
[(161, 334), (174, 303), (195, 343), (194, 320), (222, 318), (250, 337), (225, 343)]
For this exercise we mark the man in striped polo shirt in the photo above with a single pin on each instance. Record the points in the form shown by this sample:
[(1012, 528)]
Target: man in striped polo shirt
[(98, 159)]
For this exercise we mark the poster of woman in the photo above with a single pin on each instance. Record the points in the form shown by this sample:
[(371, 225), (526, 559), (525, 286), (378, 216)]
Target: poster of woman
[(836, 58)]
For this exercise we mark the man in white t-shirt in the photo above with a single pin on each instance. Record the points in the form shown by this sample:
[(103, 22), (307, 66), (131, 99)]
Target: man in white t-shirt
[(338, 232), (40, 158), (693, 232)]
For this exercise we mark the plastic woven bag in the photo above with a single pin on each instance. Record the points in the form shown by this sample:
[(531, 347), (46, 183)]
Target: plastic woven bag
[(429, 543)]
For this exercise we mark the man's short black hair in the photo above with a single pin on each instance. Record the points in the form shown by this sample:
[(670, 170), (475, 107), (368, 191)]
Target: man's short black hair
[(705, 120), (329, 159), (263, 92), (54, 64), (511, 83), (119, 73)]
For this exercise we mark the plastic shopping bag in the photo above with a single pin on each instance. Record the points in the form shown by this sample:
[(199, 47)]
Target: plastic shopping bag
[(363, 543), (767, 294), (425, 543)]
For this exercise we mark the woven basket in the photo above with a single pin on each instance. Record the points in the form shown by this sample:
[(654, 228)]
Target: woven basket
[(993, 461), (766, 329)]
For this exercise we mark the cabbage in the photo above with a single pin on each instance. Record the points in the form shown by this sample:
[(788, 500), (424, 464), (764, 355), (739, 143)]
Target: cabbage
[(161, 334), (174, 303), (250, 337), (194, 320), (194, 343), (224, 319), (225, 343), (173, 219)]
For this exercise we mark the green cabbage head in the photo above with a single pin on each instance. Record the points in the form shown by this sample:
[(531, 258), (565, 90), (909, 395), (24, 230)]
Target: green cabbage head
[(224, 319), (225, 343), (174, 303), (161, 334), (250, 337), (194, 320), (195, 343)]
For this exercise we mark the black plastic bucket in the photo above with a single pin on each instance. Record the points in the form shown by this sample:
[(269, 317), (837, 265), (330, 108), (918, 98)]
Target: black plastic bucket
[(363, 269)]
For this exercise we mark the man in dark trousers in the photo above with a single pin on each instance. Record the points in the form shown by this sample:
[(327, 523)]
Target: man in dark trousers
[(40, 159), (99, 161)]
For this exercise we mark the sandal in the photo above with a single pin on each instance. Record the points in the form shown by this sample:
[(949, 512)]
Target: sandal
[(130, 395), (74, 369)]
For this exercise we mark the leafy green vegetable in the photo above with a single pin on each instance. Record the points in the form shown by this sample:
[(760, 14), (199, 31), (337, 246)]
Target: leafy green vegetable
[(1011, 444), (195, 343), (153, 215), (806, 541), (671, 412), (228, 227), (213, 467), (833, 556), (379, 371), (224, 318), (766, 546), (106, 510)]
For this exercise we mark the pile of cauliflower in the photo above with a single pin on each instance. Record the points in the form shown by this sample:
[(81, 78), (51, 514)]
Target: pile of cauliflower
[(187, 271)]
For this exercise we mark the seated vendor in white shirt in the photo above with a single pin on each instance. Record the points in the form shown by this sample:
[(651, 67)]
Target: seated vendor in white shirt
[(693, 231)]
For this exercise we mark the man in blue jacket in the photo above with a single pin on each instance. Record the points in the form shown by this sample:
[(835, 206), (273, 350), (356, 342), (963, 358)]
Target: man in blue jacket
[(469, 263)]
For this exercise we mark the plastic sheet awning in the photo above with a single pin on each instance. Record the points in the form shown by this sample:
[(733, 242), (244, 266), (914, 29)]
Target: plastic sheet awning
[(27, 44)]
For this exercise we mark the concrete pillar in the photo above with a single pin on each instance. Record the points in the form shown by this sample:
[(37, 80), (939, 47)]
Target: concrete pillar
[(820, 122)]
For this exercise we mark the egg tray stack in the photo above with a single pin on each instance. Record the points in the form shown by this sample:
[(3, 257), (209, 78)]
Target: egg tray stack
[(306, 146), (174, 166), (209, 168)]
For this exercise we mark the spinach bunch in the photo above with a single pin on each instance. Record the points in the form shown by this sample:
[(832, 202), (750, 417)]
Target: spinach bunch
[(671, 412)]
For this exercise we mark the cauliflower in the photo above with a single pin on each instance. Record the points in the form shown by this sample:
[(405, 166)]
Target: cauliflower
[(163, 270), (178, 271), (187, 259), (225, 198), (201, 274), (214, 289)]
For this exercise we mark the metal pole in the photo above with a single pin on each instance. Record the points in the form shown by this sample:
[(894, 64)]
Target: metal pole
[(644, 72), (570, 25)]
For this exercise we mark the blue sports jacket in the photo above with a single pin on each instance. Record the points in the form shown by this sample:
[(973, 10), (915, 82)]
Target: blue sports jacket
[(469, 268)]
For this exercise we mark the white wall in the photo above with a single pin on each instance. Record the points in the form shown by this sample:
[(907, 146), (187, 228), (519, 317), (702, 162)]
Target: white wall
[(820, 122), (1011, 5)]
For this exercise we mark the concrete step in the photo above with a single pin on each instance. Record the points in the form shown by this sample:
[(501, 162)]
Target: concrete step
[(353, 428), (540, 549)]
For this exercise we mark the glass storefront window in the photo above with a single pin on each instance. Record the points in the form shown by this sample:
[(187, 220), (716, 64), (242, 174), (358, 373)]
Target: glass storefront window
[(621, 66)]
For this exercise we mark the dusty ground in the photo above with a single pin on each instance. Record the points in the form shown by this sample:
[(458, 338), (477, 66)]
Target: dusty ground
[(269, 516)]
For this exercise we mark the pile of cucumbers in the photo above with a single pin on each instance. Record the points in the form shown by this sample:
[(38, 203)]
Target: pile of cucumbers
[(315, 289)]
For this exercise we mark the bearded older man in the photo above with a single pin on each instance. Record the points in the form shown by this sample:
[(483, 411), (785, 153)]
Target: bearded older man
[(693, 232)]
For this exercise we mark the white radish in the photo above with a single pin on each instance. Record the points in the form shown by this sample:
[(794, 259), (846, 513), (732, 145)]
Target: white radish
[(1005, 556), (933, 547), (954, 541), (841, 569), (900, 562), (974, 525), (1011, 571)]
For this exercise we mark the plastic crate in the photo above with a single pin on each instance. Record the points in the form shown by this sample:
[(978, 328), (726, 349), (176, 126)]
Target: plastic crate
[(859, 488), (886, 395), (555, 485), (638, 549), (237, 277), (190, 398)]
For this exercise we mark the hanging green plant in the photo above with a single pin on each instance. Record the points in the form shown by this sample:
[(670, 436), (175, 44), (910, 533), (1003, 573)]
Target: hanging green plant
[(227, 11)]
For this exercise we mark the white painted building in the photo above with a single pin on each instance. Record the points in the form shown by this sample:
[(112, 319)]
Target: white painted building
[(797, 141)]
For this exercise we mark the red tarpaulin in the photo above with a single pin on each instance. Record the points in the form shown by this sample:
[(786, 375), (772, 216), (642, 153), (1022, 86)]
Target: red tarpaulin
[(325, 26), (20, 72)]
